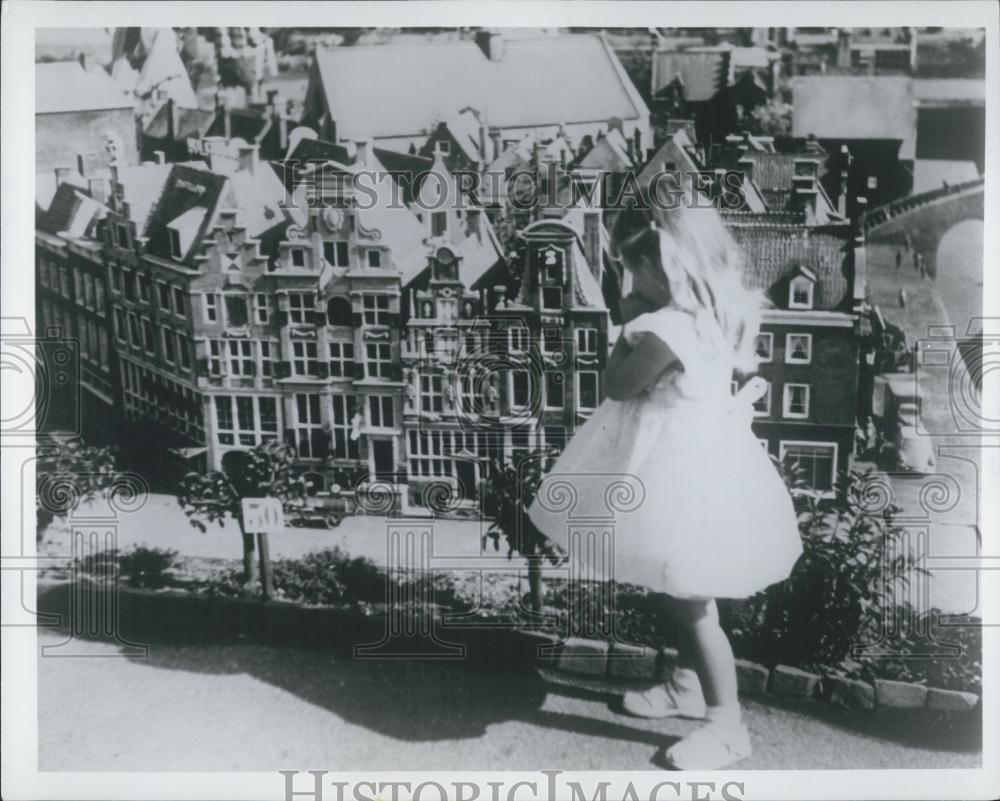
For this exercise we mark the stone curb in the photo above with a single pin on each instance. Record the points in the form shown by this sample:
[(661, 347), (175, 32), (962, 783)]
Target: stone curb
[(610, 665), (622, 665)]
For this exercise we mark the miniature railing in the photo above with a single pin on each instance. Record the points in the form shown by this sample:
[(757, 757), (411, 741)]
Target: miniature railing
[(882, 214)]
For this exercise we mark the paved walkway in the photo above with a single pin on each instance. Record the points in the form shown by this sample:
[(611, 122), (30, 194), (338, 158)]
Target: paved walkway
[(251, 707), (952, 534)]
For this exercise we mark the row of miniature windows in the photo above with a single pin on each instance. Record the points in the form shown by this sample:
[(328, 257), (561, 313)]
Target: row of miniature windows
[(798, 348), (795, 401)]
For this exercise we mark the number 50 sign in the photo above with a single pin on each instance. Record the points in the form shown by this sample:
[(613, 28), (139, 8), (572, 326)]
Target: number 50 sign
[(262, 515)]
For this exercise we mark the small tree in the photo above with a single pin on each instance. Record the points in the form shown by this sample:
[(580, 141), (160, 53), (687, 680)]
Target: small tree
[(68, 473), (511, 488), (773, 118), (266, 471)]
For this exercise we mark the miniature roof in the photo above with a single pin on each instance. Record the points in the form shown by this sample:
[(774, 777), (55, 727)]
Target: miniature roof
[(258, 196), (190, 122), (70, 212), (537, 81), (775, 252), (164, 69), (247, 124), (142, 187), (610, 153), (319, 150), (185, 188), (65, 86), (856, 107)]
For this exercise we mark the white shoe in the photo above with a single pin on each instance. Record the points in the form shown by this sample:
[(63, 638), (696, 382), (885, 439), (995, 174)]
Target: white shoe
[(711, 747), (679, 696)]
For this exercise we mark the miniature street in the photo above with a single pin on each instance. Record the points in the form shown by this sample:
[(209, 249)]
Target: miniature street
[(258, 708)]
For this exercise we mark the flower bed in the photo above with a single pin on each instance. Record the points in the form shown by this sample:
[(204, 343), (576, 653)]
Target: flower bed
[(331, 578)]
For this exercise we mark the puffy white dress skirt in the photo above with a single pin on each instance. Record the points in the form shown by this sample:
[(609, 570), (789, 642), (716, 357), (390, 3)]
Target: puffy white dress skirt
[(678, 482)]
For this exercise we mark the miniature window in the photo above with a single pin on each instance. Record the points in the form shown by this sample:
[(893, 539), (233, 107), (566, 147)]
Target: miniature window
[(552, 298), (335, 253), (586, 341), (338, 311), (517, 339), (175, 244), (380, 411), (817, 462), (764, 347), (796, 401), (236, 311), (800, 293), (798, 348), (586, 398), (520, 388)]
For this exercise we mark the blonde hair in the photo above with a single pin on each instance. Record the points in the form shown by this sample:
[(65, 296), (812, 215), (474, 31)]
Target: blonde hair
[(699, 264)]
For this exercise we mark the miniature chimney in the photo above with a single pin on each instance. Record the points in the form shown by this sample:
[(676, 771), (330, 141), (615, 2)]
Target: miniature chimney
[(97, 189), (844, 48), (249, 157), (79, 164), (858, 256), (472, 223), (592, 241), (160, 156), (845, 163), (805, 187), (61, 174), (87, 62)]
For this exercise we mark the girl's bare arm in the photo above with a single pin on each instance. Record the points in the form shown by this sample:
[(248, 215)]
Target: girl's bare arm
[(632, 369)]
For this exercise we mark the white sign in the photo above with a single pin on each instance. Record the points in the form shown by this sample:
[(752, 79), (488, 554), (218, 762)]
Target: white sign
[(262, 515)]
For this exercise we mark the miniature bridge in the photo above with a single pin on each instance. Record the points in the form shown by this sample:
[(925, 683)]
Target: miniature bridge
[(923, 220)]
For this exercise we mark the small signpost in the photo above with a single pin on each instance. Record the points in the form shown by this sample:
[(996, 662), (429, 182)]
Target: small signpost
[(261, 516)]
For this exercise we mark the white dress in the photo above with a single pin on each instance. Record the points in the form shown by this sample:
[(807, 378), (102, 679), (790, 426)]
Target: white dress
[(694, 505)]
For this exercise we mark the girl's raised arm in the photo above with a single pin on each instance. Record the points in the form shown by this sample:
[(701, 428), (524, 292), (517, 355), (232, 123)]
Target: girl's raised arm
[(633, 369)]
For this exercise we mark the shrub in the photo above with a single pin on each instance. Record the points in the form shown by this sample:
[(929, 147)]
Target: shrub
[(151, 568), (846, 580)]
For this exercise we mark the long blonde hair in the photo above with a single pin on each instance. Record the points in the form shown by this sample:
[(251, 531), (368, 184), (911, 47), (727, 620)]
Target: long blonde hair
[(697, 261)]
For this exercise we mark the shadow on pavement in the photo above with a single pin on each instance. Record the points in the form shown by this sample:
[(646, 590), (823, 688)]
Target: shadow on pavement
[(414, 700)]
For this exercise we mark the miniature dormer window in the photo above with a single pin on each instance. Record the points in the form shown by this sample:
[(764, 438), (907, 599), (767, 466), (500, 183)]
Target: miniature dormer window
[(184, 229), (375, 258), (298, 257), (801, 289), (175, 244), (443, 147)]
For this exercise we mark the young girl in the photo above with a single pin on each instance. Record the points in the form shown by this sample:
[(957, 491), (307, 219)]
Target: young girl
[(716, 519)]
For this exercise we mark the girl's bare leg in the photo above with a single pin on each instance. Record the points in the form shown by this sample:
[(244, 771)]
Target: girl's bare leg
[(705, 647), (723, 739)]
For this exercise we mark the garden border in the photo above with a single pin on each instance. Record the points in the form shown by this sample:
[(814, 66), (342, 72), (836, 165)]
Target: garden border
[(172, 612)]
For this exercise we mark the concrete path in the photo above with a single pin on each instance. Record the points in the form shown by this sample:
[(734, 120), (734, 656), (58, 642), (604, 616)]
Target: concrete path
[(252, 707), (952, 532)]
